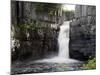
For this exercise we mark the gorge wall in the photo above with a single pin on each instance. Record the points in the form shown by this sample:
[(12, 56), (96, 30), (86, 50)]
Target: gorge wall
[(35, 34), (83, 33)]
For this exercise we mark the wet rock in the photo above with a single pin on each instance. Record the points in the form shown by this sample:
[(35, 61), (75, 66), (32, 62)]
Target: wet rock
[(82, 33)]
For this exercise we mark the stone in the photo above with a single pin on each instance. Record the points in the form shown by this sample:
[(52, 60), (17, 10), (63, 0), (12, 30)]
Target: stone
[(82, 33)]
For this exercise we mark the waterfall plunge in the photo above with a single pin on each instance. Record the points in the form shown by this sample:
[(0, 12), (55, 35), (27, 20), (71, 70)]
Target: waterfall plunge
[(63, 41)]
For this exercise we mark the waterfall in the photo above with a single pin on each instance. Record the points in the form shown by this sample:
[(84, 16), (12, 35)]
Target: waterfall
[(63, 40)]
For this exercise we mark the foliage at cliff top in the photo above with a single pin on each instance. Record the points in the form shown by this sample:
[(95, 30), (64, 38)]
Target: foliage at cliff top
[(47, 7)]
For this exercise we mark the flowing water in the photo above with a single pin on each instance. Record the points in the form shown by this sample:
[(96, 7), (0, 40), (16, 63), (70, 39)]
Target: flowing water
[(63, 41)]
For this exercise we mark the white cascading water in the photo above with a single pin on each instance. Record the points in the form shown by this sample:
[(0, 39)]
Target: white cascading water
[(63, 41)]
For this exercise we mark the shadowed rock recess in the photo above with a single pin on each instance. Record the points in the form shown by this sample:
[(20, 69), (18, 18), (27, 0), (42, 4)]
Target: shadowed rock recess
[(82, 33)]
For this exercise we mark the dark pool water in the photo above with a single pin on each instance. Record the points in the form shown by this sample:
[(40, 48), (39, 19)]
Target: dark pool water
[(31, 67)]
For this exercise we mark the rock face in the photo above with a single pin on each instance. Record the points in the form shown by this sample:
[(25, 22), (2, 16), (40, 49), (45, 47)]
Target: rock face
[(82, 32), (34, 36), (26, 12)]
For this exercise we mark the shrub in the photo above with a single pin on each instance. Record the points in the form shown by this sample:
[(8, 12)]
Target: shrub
[(91, 64)]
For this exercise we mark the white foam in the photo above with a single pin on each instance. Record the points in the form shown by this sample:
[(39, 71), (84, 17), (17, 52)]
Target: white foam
[(56, 60)]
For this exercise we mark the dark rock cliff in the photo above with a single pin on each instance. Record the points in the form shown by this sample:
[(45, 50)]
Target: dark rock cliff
[(33, 34), (82, 33)]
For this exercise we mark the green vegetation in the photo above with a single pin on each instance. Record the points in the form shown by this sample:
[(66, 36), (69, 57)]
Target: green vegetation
[(46, 7), (91, 64), (50, 8)]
